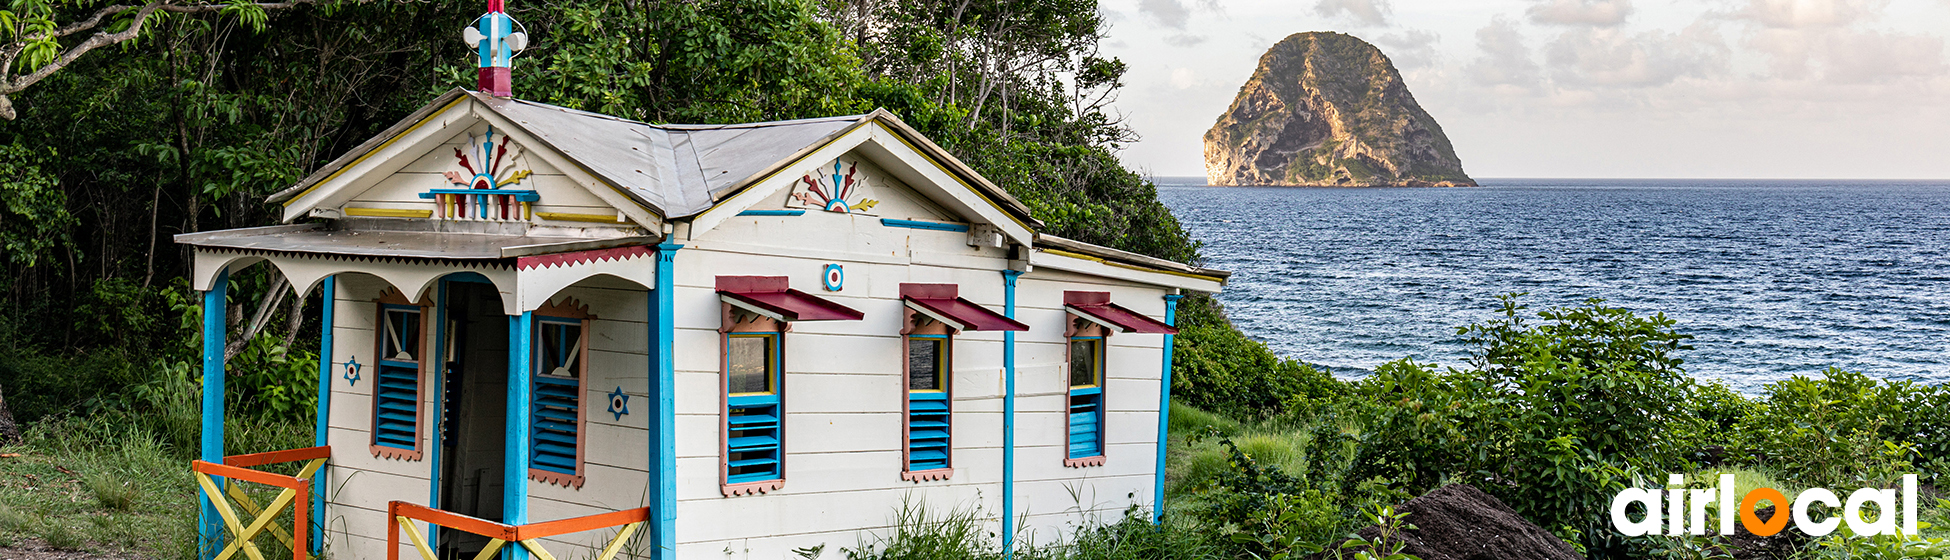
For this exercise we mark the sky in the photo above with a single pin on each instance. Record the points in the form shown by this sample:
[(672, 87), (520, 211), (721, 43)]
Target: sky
[(1762, 89)]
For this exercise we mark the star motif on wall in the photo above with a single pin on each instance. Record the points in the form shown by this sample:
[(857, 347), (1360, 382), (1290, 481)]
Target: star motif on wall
[(619, 403), (352, 371)]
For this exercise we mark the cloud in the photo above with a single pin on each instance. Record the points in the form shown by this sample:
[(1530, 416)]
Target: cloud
[(1184, 40), (1410, 49), (1168, 13), (1505, 59), (1610, 58), (1807, 14), (1600, 13), (1364, 12), (1849, 56)]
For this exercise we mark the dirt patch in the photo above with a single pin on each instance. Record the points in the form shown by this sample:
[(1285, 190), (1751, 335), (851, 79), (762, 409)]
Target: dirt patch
[(1460, 522), (1745, 545), (36, 549)]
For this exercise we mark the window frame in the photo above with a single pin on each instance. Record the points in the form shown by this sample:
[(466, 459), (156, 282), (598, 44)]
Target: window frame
[(388, 302), (739, 323), (568, 312), (918, 325), (1082, 329)]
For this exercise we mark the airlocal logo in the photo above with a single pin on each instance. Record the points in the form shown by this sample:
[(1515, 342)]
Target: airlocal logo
[(1678, 502)]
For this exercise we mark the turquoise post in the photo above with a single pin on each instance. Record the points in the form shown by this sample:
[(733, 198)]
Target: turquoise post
[(209, 527), (1164, 415), (1009, 417), (514, 496), (438, 357), (320, 433), (663, 413)]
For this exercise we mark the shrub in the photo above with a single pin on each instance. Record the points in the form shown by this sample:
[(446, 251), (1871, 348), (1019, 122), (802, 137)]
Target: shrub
[(1215, 367)]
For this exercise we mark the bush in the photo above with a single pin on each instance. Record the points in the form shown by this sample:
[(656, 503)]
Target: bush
[(1848, 429), (1215, 367)]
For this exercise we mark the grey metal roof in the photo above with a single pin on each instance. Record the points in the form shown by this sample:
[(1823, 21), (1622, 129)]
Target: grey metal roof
[(677, 169), (423, 243)]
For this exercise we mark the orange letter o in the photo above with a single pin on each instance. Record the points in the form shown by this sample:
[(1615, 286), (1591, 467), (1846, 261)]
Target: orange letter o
[(1773, 524)]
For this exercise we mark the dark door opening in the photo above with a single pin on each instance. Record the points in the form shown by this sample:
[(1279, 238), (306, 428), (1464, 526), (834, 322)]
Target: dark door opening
[(473, 441)]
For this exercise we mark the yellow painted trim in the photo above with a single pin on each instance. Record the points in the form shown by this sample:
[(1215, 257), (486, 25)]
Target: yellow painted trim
[(573, 217), (616, 544), (388, 212), (535, 547), (493, 548), (419, 542), (1140, 268), (951, 173), (374, 150)]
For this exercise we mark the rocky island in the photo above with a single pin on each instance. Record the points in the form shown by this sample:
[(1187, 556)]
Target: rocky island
[(1329, 110)]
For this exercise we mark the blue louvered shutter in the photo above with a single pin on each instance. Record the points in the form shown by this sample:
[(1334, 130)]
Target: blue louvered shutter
[(928, 414), (557, 423), (754, 442), (396, 392), (1086, 403)]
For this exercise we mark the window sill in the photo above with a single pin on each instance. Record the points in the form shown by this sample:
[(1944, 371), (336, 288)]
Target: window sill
[(752, 488), (556, 478), (1097, 461), (930, 474)]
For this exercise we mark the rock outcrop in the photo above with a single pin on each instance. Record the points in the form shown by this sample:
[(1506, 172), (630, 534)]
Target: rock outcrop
[(1328, 109), (1460, 522)]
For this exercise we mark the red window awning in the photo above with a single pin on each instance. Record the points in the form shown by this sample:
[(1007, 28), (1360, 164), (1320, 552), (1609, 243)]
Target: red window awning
[(771, 296), (942, 302), (1097, 308)]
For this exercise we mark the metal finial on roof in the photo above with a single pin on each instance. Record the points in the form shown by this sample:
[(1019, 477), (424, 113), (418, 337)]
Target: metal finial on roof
[(495, 41)]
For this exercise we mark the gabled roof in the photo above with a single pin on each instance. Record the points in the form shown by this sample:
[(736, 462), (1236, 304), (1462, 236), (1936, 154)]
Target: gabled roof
[(674, 170)]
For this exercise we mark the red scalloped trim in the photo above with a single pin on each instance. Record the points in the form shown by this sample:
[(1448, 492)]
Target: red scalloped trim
[(556, 478), (1097, 461), (752, 488), (580, 257), (930, 474), (385, 452)]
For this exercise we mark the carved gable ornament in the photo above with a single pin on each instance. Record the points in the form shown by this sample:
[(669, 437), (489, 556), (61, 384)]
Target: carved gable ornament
[(484, 182), (839, 187)]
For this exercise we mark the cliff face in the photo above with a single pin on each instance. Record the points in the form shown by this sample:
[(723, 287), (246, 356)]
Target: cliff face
[(1327, 109)]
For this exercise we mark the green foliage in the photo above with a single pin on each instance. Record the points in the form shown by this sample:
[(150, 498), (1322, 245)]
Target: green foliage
[(34, 216), (110, 492), (1848, 429), (1215, 367)]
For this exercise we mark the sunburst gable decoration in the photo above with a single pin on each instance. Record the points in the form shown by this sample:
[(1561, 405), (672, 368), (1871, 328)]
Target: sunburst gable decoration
[(843, 190), (479, 186)]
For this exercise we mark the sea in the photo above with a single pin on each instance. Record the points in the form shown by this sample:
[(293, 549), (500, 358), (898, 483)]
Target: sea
[(1772, 278)]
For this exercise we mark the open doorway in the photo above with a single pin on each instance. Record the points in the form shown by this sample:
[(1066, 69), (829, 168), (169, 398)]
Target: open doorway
[(473, 441)]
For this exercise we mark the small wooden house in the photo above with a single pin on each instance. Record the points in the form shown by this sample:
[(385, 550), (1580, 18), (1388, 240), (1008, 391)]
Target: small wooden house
[(759, 337)]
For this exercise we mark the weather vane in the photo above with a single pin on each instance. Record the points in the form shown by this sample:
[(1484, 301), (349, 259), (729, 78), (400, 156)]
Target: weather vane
[(496, 41)]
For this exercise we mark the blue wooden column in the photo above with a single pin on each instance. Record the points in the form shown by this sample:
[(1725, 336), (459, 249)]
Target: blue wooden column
[(663, 408), (1164, 414), (1009, 416), (210, 526), (514, 495), (320, 432)]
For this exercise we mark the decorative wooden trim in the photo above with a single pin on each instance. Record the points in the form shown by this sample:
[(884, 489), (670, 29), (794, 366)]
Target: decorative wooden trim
[(616, 218), (1097, 461), (930, 474), (392, 296), (735, 320), (571, 258), (386, 212), (755, 488), (568, 308)]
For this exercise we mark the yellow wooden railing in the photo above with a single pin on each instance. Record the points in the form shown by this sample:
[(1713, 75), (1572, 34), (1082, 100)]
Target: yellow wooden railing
[(297, 494), (401, 515)]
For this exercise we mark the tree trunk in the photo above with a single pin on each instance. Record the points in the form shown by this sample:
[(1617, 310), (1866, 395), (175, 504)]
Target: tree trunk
[(9, 432)]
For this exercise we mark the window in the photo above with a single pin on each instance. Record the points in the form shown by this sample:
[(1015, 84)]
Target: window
[(928, 405), (1086, 403), (753, 411), (560, 368), (396, 389)]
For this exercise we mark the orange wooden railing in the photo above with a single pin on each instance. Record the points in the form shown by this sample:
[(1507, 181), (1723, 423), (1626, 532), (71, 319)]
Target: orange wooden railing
[(297, 493), (400, 515)]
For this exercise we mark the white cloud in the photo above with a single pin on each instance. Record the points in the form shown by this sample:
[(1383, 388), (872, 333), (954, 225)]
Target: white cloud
[(1505, 59), (1410, 49), (1805, 14), (1849, 56), (1184, 40), (1601, 13), (1363, 12), (1168, 13), (1611, 58)]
